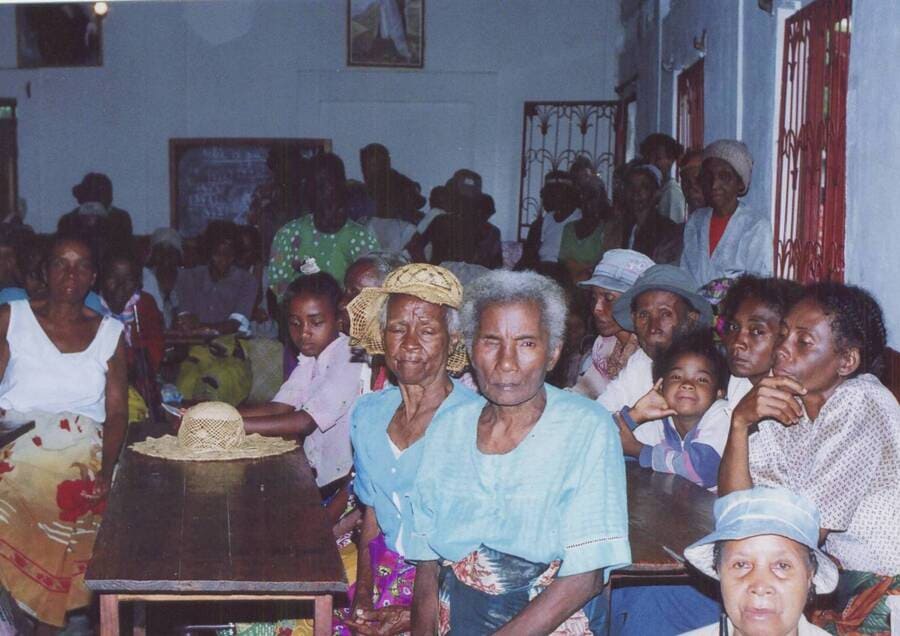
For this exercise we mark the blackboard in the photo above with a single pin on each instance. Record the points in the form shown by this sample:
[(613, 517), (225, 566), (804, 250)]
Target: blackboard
[(215, 178)]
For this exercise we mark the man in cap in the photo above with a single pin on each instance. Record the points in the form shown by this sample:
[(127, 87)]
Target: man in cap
[(464, 235), (559, 199), (613, 276), (96, 214), (661, 305), (727, 238)]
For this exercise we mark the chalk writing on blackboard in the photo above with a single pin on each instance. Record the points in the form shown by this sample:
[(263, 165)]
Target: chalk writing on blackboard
[(214, 179)]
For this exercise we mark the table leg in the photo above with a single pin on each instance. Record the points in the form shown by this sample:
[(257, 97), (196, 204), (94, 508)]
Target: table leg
[(322, 624), (139, 618), (109, 615)]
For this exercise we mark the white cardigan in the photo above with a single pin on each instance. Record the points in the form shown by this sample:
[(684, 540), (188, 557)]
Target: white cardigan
[(745, 247)]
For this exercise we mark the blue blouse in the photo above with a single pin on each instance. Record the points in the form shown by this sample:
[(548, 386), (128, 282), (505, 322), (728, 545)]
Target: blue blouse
[(383, 478), (560, 494)]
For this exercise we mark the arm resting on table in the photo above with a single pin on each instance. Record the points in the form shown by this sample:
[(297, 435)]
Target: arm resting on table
[(281, 422)]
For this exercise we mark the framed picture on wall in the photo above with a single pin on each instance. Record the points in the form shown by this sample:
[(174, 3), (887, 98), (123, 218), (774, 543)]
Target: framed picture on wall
[(387, 33), (64, 34)]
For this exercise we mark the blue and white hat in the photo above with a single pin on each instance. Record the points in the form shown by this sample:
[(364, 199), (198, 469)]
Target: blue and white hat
[(758, 511), (618, 270)]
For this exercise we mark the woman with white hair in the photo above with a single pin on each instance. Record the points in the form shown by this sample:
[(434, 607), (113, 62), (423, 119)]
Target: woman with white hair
[(521, 491), (727, 238)]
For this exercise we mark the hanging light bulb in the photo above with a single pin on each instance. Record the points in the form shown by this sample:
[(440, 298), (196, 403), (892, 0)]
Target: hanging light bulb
[(101, 9)]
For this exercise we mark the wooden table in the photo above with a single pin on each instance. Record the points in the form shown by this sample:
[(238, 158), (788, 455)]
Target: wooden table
[(666, 513), (214, 531)]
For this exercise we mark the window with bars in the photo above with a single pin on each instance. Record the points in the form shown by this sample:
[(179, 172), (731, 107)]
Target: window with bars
[(554, 134), (810, 169), (690, 107)]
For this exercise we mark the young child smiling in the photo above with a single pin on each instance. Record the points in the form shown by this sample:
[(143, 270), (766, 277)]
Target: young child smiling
[(681, 425)]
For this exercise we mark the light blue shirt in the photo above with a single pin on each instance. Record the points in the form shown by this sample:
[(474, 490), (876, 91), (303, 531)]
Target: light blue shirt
[(560, 494), (385, 479), (745, 246)]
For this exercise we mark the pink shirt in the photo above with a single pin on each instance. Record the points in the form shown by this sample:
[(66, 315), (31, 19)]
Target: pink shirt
[(326, 387)]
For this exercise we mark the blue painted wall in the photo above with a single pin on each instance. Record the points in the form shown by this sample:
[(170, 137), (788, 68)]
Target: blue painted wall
[(277, 68)]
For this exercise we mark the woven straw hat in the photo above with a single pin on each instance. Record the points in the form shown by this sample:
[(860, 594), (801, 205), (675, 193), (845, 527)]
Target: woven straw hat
[(212, 431), (430, 283)]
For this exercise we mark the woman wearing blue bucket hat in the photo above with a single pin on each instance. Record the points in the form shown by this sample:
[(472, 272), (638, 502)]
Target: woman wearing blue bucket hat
[(764, 551)]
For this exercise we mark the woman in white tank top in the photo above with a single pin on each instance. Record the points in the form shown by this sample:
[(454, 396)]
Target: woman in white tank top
[(63, 367)]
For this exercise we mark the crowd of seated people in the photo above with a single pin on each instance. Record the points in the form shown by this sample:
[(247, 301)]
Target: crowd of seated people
[(468, 411)]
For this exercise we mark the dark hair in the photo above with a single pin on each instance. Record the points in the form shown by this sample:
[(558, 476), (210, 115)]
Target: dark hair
[(72, 237), (117, 255), (811, 561), (778, 294), (216, 233), (643, 167), (18, 239), (564, 185), (487, 206), (856, 321), (374, 149), (699, 343), (437, 198), (94, 186), (252, 232), (673, 149), (690, 155), (321, 284), (334, 166)]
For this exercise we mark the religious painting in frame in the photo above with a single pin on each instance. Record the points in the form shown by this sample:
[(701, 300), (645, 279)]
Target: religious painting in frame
[(58, 34), (386, 33)]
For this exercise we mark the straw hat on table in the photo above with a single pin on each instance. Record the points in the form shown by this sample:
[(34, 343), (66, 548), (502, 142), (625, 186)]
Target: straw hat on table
[(212, 431)]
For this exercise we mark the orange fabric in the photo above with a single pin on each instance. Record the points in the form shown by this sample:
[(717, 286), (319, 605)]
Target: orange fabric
[(848, 622), (717, 225)]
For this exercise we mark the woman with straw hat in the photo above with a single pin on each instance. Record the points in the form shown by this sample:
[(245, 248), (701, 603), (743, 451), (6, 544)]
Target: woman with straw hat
[(412, 321)]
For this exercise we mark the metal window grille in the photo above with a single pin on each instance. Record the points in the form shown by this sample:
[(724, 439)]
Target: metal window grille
[(690, 106), (553, 135), (810, 201)]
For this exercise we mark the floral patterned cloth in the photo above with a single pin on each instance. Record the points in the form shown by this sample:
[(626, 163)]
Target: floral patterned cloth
[(862, 596), (334, 253), (47, 526), (393, 583), (482, 592)]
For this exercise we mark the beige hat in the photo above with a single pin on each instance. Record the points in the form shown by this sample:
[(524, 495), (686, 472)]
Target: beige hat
[(212, 431), (430, 283)]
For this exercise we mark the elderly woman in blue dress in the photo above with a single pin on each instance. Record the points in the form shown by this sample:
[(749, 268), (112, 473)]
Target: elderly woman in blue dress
[(412, 320), (519, 506)]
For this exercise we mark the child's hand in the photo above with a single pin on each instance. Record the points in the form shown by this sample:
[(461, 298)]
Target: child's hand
[(652, 406)]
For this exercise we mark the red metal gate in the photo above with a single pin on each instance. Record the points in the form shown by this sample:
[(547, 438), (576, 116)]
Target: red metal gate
[(690, 106), (554, 134), (810, 203)]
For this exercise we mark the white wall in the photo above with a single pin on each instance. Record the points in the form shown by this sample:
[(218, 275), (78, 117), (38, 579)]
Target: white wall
[(739, 73), (873, 145), (276, 68)]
